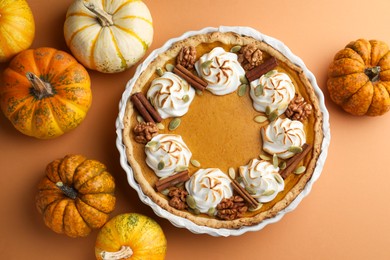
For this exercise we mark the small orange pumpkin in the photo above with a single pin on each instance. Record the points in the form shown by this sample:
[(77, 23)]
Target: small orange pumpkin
[(131, 236), (359, 78), (45, 92), (76, 195)]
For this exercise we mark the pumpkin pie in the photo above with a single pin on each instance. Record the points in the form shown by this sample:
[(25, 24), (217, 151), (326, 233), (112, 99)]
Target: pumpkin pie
[(221, 129)]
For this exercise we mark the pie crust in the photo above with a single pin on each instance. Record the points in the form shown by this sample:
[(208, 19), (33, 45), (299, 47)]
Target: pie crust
[(134, 152)]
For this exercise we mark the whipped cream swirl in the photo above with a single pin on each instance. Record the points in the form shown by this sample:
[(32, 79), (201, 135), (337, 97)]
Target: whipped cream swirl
[(221, 70), (165, 152), (274, 89), (263, 179), (170, 95), (282, 134), (208, 187)]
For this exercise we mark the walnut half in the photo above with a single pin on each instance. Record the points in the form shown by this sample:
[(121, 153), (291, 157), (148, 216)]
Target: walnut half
[(145, 131)]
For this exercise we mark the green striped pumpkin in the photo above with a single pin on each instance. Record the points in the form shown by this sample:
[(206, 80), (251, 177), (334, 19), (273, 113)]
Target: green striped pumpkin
[(108, 36)]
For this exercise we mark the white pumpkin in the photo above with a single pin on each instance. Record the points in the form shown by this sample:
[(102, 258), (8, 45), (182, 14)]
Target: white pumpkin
[(108, 36)]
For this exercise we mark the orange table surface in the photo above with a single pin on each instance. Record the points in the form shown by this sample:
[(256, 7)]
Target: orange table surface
[(347, 213)]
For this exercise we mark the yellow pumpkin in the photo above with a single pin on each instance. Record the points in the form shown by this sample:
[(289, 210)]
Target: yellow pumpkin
[(131, 236), (17, 28), (108, 36), (45, 92)]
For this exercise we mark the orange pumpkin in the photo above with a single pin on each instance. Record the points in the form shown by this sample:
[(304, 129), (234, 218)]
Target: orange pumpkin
[(131, 236), (45, 92), (359, 78), (76, 195), (17, 28)]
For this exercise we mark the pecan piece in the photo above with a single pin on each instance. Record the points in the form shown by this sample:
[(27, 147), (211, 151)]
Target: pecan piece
[(187, 57), (298, 109), (177, 198), (145, 131), (231, 208), (250, 56)]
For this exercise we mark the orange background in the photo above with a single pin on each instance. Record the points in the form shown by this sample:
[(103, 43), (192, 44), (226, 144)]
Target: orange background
[(346, 215)]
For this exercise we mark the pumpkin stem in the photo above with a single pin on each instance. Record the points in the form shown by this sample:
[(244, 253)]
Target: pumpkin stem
[(41, 89), (373, 73), (68, 191), (124, 253), (104, 18)]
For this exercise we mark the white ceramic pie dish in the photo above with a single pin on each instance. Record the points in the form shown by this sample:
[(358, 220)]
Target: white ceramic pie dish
[(185, 223)]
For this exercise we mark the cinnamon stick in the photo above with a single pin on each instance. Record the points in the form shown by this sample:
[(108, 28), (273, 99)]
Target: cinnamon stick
[(244, 194), (293, 162), (156, 116), (141, 108), (263, 68), (172, 180), (193, 80)]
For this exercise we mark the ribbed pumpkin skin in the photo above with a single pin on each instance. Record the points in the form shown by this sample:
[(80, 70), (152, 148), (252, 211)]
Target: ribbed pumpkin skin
[(349, 84), (95, 199), (17, 28), (112, 48), (53, 115), (141, 233)]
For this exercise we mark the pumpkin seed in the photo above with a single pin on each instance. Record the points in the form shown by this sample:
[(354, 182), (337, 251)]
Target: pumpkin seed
[(242, 90), (181, 168), (199, 92), (191, 202), (250, 190), (259, 90), (161, 165), (295, 149), (268, 193), (179, 185), (174, 124), (160, 126), (195, 163), (257, 208), (283, 165), (194, 211), (206, 64), (153, 145), (165, 192), (140, 119), (275, 160), (260, 119), (232, 173), (211, 212), (186, 98), (273, 115), (279, 178), (265, 157), (235, 49), (159, 71), (300, 169), (270, 73), (169, 67), (268, 110), (244, 80)]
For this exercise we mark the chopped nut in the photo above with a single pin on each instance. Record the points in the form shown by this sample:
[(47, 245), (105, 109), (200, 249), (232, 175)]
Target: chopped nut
[(187, 57), (177, 198), (250, 56), (145, 131), (298, 109), (231, 208)]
